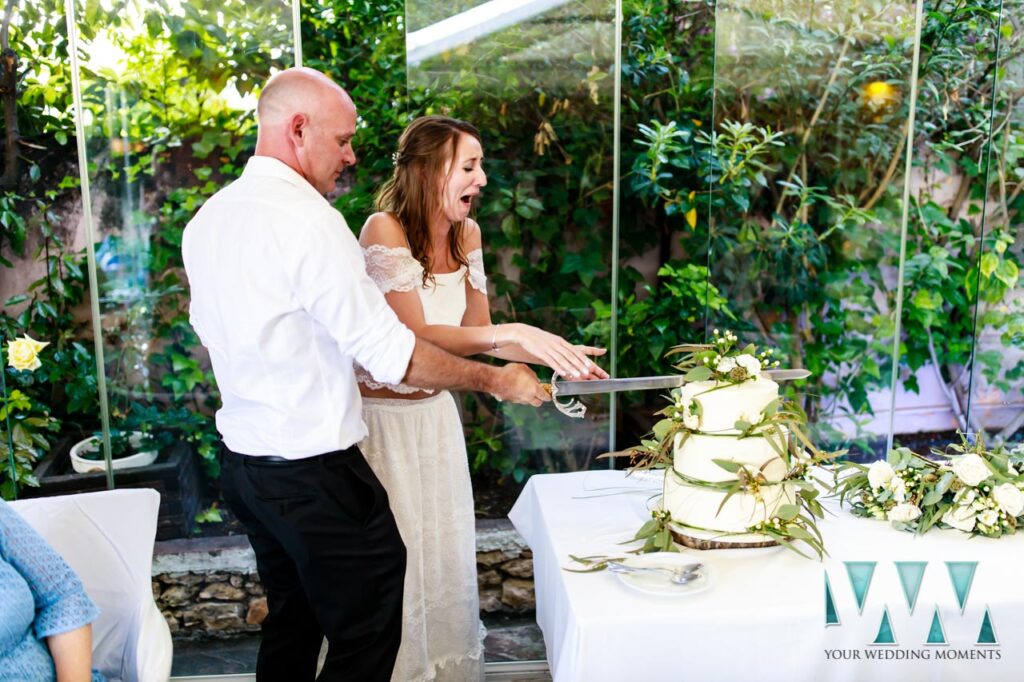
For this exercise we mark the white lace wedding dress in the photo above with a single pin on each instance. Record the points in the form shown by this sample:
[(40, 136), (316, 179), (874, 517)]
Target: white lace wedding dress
[(418, 451)]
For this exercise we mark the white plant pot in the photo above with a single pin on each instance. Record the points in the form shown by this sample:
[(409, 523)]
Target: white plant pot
[(92, 444)]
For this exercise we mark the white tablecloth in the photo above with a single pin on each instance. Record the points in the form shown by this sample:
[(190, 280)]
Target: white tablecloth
[(764, 616)]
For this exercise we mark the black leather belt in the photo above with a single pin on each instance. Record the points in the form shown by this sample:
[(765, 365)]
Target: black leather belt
[(275, 459)]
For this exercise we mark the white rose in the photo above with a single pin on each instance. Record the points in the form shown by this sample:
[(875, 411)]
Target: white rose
[(961, 518), (751, 417), (965, 496), (988, 518), (971, 469), (691, 420), (904, 512), (880, 473), (749, 363), (686, 412), (22, 353), (1009, 499), (726, 365), (899, 489)]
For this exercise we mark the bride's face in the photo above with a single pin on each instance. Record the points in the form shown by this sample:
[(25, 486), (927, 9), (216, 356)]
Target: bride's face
[(463, 179)]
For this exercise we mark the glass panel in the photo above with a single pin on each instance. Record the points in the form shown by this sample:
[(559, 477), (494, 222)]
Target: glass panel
[(537, 79), (537, 82), (667, 101), (806, 165), (42, 283), (957, 222), (996, 407), (168, 99)]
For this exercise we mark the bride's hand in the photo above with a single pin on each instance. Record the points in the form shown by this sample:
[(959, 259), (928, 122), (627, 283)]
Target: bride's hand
[(595, 371), (570, 361)]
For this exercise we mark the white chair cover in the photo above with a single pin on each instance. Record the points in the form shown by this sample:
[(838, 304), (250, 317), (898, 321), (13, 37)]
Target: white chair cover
[(107, 538)]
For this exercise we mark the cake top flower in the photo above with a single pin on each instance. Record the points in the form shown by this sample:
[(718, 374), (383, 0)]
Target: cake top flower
[(724, 360)]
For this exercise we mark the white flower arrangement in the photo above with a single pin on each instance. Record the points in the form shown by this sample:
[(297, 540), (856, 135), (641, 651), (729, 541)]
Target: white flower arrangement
[(723, 360), (974, 489)]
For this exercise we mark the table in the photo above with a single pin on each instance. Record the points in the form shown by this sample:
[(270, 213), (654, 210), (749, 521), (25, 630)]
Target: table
[(764, 617)]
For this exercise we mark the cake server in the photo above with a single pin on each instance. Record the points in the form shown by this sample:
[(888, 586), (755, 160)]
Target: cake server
[(567, 388)]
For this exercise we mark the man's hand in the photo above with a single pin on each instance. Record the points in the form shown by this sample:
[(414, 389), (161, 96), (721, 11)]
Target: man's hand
[(518, 384), (432, 367)]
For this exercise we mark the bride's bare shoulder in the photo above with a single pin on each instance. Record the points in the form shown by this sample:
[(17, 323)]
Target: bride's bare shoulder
[(384, 229), (471, 238)]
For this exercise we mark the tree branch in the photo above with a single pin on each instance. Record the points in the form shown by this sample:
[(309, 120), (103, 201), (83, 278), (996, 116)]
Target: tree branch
[(890, 171), (954, 402), (814, 118), (6, 28), (9, 99)]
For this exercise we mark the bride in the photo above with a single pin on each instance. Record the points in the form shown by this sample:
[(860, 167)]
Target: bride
[(424, 252)]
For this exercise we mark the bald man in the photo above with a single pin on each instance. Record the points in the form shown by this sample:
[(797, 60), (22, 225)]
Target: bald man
[(281, 298)]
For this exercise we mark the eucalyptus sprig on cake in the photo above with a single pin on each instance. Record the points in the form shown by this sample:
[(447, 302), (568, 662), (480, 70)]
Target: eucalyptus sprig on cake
[(737, 457), (972, 488), (723, 360)]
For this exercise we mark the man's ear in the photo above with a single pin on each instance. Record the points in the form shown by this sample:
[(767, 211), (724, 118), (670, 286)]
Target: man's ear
[(298, 127)]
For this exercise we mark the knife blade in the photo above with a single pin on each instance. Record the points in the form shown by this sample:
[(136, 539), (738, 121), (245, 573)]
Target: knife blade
[(567, 388)]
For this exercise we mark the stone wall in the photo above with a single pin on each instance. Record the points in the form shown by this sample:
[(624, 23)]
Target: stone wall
[(208, 587)]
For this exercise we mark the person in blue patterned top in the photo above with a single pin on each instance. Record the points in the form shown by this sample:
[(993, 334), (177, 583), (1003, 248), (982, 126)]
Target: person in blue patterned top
[(45, 614)]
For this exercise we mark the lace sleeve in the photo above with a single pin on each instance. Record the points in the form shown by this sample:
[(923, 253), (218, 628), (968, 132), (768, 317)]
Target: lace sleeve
[(477, 278), (392, 268), (366, 379)]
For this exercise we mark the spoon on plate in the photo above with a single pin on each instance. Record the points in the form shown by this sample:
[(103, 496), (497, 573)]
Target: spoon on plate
[(679, 576)]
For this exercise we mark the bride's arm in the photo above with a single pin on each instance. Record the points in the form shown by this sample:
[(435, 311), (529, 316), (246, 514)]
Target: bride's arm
[(394, 270), (515, 341)]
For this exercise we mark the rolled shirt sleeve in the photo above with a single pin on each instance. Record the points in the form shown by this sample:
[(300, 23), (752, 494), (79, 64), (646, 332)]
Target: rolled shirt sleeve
[(343, 298)]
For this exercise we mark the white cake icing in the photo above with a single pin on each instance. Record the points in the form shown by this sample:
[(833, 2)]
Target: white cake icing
[(697, 507)]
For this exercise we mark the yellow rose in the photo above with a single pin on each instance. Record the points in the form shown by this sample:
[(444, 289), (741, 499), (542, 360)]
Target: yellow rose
[(23, 353)]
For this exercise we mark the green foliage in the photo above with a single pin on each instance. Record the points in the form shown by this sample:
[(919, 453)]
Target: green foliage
[(801, 217), (773, 213), (25, 426), (667, 314)]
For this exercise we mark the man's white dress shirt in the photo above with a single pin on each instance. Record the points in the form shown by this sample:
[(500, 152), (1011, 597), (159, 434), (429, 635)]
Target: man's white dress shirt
[(281, 298)]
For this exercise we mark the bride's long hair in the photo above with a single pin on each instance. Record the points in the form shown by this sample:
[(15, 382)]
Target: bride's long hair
[(411, 193)]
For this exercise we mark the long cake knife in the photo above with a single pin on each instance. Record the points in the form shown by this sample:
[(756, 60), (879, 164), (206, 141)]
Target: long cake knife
[(568, 388)]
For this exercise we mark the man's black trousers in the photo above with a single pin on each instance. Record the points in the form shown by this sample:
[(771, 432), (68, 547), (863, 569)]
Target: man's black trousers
[(330, 559)]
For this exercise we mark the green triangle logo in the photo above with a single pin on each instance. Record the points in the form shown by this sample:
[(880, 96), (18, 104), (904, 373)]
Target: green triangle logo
[(961, 573), (831, 613), (885, 633), (987, 635), (936, 635), (860, 574), (911, 575)]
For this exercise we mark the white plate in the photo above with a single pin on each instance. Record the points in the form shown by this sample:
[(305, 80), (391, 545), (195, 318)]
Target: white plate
[(659, 583)]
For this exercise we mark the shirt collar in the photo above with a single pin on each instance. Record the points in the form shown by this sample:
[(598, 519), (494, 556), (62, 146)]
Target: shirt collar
[(268, 166)]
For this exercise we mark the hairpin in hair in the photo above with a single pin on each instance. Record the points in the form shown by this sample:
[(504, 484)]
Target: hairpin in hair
[(395, 157)]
